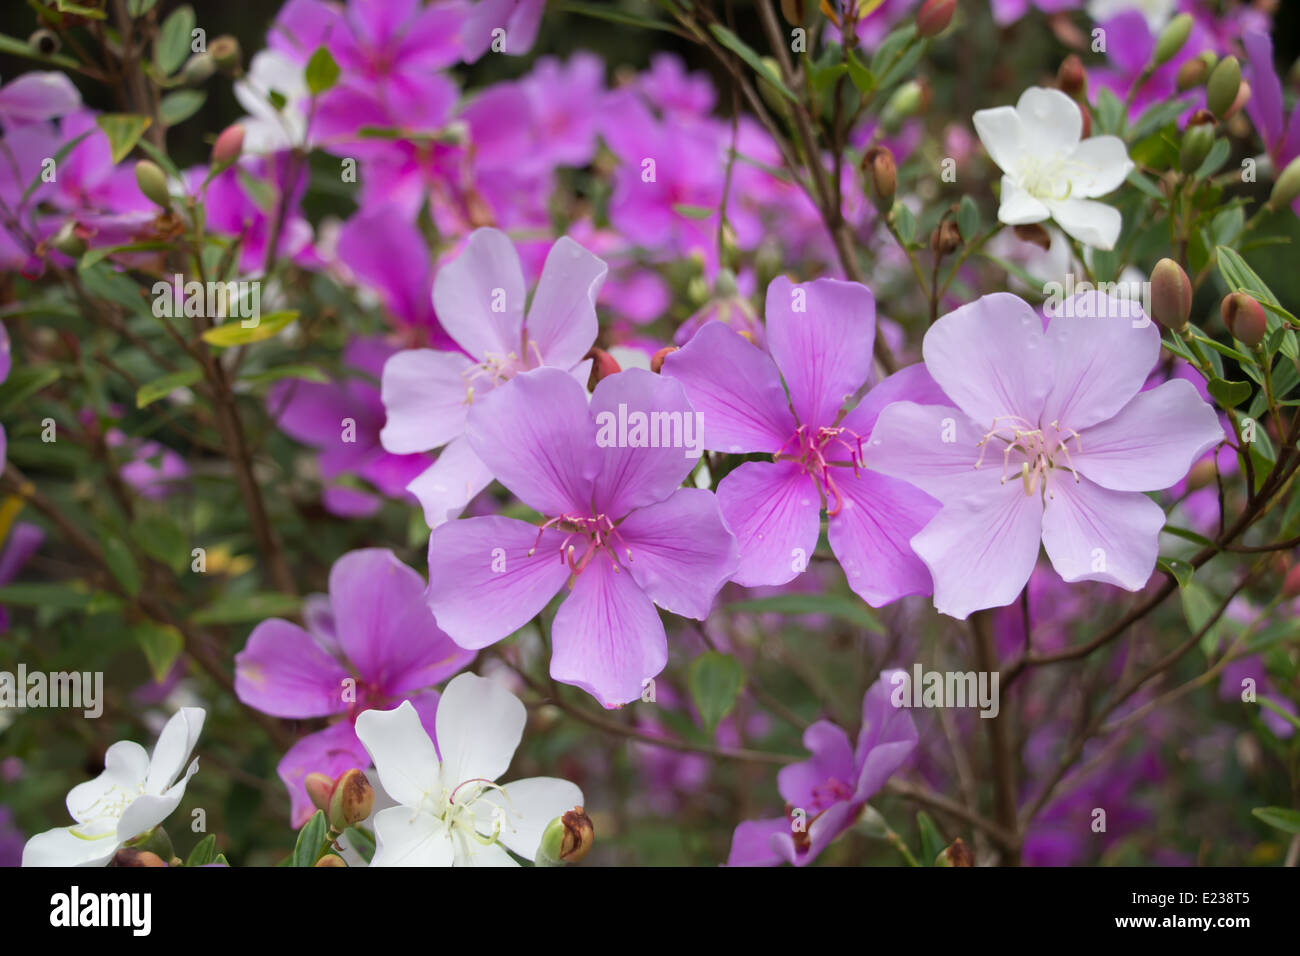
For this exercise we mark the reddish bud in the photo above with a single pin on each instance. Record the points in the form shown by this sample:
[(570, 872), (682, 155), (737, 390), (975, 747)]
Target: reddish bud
[(228, 145), (945, 238), (603, 365), (657, 360), (934, 16), (1245, 318), (1171, 295), (1291, 583), (130, 856), (1072, 78), (330, 860), (352, 800), (1033, 232), (957, 854), (319, 788), (879, 169)]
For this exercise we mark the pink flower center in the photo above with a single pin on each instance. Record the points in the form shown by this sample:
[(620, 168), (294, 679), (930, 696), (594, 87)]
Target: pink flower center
[(495, 368), (1028, 452), (821, 450), (585, 537), (829, 793)]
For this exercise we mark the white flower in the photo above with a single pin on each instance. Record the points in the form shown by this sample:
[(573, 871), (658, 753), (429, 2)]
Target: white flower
[(1048, 171), (452, 812), (133, 795), (267, 129), (1157, 12)]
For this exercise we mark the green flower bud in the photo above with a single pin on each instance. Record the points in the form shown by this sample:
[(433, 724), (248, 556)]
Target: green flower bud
[(566, 839), (724, 286), (198, 69), (1222, 86), (153, 183), (1197, 140), (1245, 318), (1192, 73), (1172, 38), (1287, 186), (1171, 295), (226, 54), (68, 240), (352, 800), (908, 100)]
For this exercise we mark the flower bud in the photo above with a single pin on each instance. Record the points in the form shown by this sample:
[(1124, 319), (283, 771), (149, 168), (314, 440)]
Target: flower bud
[(153, 183), (198, 69), (946, 238), (45, 42), (1287, 186), (1197, 140), (1291, 583), (330, 860), (1201, 475), (908, 100), (794, 11), (228, 145), (1171, 295), (1087, 121), (724, 285), (1192, 73), (352, 800), (130, 856), (577, 837), (1172, 38), (1245, 318), (657, 360), (1243, 96), (1033, 232), (934, 16), (879, 169), (1072, 78), (603, 365), (957, 854), (226, 54), (1222, 87), (69, 240), (319, 787)]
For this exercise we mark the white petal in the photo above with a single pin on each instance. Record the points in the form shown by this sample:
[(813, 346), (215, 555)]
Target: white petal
[(404, 757), (126, 767), (999, 131), (1092, 223), (1018, 206), (1050, 122), (1098, 166), (175, 744), (469, 852), (407, 838), (527, 807), (62, 847), (479, 726)]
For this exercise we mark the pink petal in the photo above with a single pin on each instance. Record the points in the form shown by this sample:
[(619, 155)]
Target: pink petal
[(487, 273), (911, 442), (774, 510), (1152, 442), (871, 536), (911, 384), (1094, 534), (823, 351), (483, 582), (331, 751), (282, 671), (981, 550), (447, 486), (991, 358), (426, 397), (681, 552), (562, 317), (830, 758), (736, 387)]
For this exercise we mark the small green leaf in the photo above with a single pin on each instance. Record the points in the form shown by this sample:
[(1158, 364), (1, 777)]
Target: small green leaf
[(179, 106), (308, 373), (692, 212), (138, 8), (904, 222), (739, 47), (161, 644), (845, 608), (72, 597), (1241, 277), (162, 539), (1199, 606), (1229, 394), (715, 681), (1180, 570), (968, 218), (932, 842), (121, 563), (123, 131), (203, 853), (361, 841), (234, 333), (173, 44), (24, 382), (322, 71), (1281, 817), (162, 387), (248, 607), (862, 77), (311, 838)]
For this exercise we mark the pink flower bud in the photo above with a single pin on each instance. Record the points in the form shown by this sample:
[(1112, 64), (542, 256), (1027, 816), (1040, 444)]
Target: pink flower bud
[(228, 145), (1245, 318)]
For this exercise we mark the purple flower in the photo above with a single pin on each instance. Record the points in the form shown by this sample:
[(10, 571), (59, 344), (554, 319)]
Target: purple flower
[(1131, 42), (385, 252), (1051, 439), (37, 96), (479, 298), (517, 19), (342, 420), (24, 541), (834, 785), (619, 531), (1280, 133), (820, 337), (1233, 686), (385, 648)]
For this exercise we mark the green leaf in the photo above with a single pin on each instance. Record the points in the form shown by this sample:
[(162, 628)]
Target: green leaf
[(72, 596), (692, 212), (179, 106), (17, 47), (1229, 394), (100, 253), (162, 539), (121, 563), (739, 47), (123, 131), (968, 218), (1198, 606), (1241, 277), (715, 681), (138, 8), (1181, 571), (361, 841), (932, 842), (234, 333), (172, 47), (904, 222), (162, 387), (1217, 156), (59, 155), (204, 853), (1110, 112), (161, 644), (601, 11), (239, 609), (891, 47), (848, 609), (322, 71), (862, 77), (24, 382), (308, 373), (310, 840), (1281, 817)]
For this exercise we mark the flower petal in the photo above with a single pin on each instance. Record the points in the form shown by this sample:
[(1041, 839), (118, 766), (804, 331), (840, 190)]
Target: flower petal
[(402, 752), (1152, 442), (283, 672), (981, 550), (527, 807), (871, 536), (1094, 534), (774, 510), (480, 724), (1018, 207), (173, 749), (403, 838), (1092, 223), (933, 447), (446, 487), (830, 758), (62, 847), (751, 844), (479, 295), (991, 358), (607, 637), (1098, 165), (1000, 131), (562, 317), (736, 387), (824, 349), (1050, 121), (425, 398), (681, 552), (888, 736)]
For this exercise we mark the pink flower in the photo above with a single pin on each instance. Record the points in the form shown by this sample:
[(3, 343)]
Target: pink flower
[(1047, 436)]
